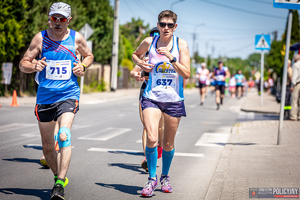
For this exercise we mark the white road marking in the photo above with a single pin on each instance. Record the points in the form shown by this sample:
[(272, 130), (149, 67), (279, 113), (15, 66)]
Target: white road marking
[(37, 145), (32, 134), (212, 140), (15, 126), (138, 152), (106, 134)]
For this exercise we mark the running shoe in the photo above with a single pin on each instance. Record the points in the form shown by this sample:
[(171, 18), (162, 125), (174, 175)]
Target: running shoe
[(57, 192), (165, 184), (66, 181), (159, 152), (144, 165), (150, 186), (44, 162), (201, 104)]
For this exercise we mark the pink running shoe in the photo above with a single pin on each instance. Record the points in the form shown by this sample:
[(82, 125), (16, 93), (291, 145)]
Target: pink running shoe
[(149, 188), (165, 184), (159, 152)]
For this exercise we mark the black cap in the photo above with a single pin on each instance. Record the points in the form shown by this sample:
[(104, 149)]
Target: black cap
[(220, 61), (155, 29)]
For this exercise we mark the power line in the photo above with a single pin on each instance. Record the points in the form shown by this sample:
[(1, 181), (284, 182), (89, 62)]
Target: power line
[(241, 10), (259, 1)]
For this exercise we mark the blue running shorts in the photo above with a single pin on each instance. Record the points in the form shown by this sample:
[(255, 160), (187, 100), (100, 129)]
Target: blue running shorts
[(174, 109)]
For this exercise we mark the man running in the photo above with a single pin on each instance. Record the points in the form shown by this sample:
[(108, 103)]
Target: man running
[(220, 75), (140, 75), (169, 64), (240, 78), (232, 86), (203, 74), (58, 90)]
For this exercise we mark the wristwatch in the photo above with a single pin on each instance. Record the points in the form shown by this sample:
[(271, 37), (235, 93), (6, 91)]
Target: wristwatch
[(173, 60), (84, 66)]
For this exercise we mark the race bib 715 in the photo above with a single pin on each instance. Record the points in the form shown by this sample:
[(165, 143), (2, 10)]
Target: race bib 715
[(58, 69)]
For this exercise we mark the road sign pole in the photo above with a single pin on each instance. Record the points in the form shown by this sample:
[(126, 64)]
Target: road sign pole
[(115, 49), (283, 90), (262, 78), (82, 77)]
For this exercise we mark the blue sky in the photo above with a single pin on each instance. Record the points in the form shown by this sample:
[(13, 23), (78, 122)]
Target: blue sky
[(229, 26)]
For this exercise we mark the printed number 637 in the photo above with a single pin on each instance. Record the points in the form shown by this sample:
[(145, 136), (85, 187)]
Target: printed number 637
[(164, 81)]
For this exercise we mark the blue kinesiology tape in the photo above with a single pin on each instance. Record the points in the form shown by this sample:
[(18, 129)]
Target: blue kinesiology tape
[(63, 143)]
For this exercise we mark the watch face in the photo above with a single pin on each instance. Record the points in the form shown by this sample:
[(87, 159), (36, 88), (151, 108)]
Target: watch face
[(174, 59)]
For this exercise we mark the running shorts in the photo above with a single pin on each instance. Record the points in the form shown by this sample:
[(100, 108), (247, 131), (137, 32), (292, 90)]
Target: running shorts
[(174, 109), (202, 85), (50, 112), (221, 88)]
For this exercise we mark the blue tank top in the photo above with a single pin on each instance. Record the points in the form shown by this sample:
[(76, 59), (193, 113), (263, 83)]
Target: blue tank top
[(239, 79), (220, 75), (57, 81)]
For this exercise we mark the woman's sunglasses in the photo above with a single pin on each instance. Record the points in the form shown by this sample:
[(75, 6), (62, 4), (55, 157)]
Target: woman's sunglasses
[(61, 19), (170, 25)]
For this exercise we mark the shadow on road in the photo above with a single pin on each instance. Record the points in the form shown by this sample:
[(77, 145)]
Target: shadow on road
[(41, 193), (127, 152), (25, 160), (33, 147), (128, 189), (132, 167)]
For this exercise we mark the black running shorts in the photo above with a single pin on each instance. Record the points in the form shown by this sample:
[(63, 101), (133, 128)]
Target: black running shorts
[(50, 112), (221, 88)]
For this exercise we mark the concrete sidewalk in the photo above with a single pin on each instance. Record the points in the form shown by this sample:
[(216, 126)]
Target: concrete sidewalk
[(90, 98), (252, 104), (251, 158)]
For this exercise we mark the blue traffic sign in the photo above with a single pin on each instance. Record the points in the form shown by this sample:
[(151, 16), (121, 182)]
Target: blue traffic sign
[(262, 42), (287, 4)]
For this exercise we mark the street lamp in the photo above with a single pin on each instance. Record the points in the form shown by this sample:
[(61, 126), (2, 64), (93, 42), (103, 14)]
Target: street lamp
[(194, 37), (171, 6)]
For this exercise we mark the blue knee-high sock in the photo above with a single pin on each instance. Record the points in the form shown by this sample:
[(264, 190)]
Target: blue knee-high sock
[(151, 155), (167, 157)]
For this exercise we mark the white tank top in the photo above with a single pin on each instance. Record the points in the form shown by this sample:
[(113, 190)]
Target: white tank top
[(164, 83)]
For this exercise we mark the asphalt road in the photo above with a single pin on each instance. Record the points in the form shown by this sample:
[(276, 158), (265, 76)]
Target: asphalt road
[(107, 151)]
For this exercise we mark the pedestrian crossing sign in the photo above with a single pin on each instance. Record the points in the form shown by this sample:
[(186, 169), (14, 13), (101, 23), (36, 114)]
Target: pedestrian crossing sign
[(262, 42), (287, 4)]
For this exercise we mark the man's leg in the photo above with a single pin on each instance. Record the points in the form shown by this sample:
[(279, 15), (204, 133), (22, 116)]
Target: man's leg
[(161, 129), (47, 129), (64, 154), (144, 139), (295, 98), (203, 92), (218, 98)]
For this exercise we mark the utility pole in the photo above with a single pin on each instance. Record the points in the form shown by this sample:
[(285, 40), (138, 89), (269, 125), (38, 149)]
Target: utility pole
[(115, 48)]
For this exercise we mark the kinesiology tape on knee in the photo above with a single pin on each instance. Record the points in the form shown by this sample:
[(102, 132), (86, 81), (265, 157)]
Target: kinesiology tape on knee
[(67, 142)]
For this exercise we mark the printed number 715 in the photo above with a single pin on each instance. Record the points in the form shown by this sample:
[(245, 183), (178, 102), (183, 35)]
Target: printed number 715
[(63, 70)]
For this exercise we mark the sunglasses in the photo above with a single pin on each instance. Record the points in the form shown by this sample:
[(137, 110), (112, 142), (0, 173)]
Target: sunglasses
[(154, 34), (170, 25), (61, 19)]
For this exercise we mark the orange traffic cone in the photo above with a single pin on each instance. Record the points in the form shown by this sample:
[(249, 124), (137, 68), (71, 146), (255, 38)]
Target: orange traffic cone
[(14, 101)]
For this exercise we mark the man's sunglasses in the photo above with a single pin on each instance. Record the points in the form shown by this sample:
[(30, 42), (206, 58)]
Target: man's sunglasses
[(61, 19), (170, 25)]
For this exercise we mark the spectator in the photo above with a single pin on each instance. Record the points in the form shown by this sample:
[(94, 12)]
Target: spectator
[(287, 104), (270, 84), (295, 89)]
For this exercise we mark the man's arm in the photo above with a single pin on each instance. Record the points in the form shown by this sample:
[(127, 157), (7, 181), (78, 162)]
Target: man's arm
[(85, 51), (136, 73), (295, 74), (139, 52), (28, 64), (227, 74)]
